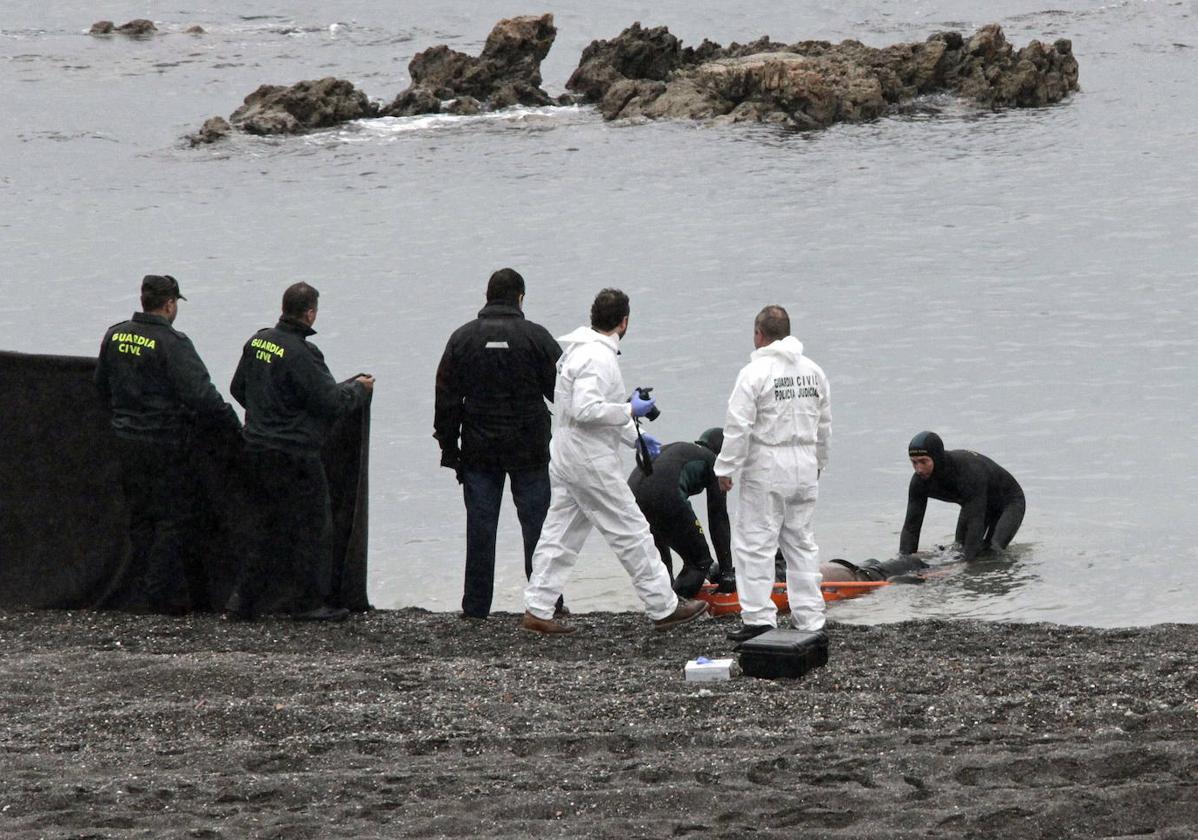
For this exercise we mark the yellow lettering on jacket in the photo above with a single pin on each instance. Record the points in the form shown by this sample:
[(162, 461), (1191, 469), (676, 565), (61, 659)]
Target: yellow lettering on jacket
[(263, 345), (134, 338)]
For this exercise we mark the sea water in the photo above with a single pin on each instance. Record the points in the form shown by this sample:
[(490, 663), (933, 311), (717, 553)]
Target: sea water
[(1022, 282)]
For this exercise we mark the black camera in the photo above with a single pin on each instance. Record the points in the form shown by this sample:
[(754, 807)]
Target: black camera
[(644, 394)]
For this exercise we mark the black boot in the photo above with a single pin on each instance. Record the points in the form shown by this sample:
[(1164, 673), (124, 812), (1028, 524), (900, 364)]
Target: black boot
[(323, 614), (747, 631), (238, 608)]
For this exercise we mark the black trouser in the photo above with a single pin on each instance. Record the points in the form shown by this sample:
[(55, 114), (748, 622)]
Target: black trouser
[(1001, 524), (673, 524), (294, 519), (160, 495)]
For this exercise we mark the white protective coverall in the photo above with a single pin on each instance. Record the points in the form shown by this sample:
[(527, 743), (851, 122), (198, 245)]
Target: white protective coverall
[(586, 475), (775, 443)]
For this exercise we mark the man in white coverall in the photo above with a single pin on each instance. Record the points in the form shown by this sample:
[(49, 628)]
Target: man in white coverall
[(588, 490), (776, 444)]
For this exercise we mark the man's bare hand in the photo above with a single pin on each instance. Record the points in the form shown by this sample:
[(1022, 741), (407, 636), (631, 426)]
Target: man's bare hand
[(725, 483), (367, 382)]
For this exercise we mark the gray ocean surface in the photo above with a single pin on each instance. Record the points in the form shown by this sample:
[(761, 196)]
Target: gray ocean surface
[(1022, 282)]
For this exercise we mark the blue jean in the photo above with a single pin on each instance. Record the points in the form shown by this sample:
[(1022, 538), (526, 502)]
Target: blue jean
[(482, 491)]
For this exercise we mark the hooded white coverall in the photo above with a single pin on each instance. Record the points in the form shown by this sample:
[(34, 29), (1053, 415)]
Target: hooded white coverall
[(587, 479), (775, 443)]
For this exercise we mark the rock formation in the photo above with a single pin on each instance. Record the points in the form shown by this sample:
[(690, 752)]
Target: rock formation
[(319, 103), (274, 109), (812, 84), (138, 28), (647, 73), (506, 73), (213, 129)]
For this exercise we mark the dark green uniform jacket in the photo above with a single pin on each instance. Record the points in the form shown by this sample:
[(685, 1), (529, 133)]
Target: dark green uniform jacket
[(291, 400), (153, 380)]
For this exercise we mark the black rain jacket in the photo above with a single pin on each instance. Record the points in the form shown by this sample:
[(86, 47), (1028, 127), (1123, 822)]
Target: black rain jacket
[(492, 383)]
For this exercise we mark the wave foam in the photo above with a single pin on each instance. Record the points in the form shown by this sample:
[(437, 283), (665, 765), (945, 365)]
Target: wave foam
[(384, 128)]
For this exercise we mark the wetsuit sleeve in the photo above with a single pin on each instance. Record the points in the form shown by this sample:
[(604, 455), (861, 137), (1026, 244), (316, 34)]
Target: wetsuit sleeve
[(917, 504), (971, 524), (717, 523), (195, 389), (738, 424), (447, 409)]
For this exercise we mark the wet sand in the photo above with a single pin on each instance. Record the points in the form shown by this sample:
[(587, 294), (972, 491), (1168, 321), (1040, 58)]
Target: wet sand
[(415, 724)]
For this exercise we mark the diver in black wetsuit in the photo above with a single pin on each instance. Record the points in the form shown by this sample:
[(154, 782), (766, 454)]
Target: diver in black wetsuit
[(683, 470), (991, 500)]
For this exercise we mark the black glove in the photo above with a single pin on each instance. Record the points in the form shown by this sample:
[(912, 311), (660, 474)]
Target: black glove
[(452, 459)]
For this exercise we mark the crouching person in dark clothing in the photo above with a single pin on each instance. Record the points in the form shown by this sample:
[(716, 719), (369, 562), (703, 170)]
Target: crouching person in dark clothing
[(991, 500), (291, 401), (683, 470)]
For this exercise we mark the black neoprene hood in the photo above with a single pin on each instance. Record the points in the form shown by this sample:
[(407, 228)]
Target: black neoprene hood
[(929, 444), (712, 439)]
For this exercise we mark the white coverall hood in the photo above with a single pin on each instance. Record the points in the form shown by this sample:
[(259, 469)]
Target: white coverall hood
[(593, 416)]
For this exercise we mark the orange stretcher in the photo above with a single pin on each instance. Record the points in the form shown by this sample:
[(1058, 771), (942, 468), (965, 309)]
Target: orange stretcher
[(725, 603)]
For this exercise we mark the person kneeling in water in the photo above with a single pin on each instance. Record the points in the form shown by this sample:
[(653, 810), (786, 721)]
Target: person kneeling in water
[(991, 500)]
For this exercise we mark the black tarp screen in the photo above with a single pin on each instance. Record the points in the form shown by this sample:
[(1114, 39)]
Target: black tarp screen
[(63, 541)]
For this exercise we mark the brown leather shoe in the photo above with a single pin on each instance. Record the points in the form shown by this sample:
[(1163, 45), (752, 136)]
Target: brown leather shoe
[(544, 625), (687, 610)]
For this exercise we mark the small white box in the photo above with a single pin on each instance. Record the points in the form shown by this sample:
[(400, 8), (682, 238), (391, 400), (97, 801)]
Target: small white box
[(709, 670)]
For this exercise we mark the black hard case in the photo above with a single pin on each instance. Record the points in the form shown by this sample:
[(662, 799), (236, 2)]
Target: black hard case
[(782, 653)]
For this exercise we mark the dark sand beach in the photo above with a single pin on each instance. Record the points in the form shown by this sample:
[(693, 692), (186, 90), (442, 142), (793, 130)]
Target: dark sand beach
[(415, 724)]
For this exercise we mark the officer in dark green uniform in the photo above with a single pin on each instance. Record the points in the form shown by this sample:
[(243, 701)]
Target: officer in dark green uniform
[(158, 390), (291, 401)]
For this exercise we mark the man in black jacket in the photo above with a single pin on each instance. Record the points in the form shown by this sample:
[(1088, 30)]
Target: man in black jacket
[(991, 500), (291, 401), (153, 381), (683, 470), (491, 422)]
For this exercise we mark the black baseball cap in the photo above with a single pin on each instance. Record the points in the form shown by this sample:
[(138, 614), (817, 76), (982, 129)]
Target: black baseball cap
[(161, 284)]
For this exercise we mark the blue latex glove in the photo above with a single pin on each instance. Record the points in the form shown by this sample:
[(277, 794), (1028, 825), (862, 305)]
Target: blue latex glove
[(642, 407), (652, 444)]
